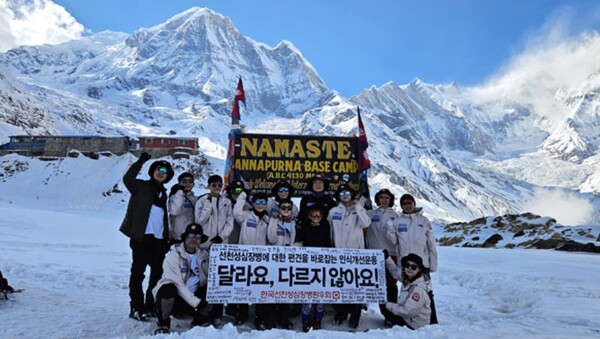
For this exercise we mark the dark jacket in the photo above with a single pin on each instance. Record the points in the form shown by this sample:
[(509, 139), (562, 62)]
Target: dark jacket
[(315, 236), (142, 198), (308, 201)]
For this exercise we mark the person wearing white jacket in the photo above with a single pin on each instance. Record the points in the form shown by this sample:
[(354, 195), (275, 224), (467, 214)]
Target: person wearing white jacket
[(347, 220), (412, 233), (377, 237), (182, 287), (214, 213), (281, 232), (413, 308), (253, 231), (182, 202)]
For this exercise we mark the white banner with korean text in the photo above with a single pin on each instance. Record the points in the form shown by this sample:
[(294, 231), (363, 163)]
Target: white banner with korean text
[(242, 274)]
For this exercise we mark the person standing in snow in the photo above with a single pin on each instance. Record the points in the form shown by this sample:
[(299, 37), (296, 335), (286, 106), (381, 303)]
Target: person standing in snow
[(182, 202), (412, 233), (282, 190), (318, 184), (413, 306), (182, 288), (315, 234), (147, 226), (281, 232), (215, 214), (254, 225), (377, 238), (347, 220)]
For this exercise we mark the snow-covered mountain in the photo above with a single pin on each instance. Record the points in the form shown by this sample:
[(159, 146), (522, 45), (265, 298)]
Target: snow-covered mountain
[(461, 156)]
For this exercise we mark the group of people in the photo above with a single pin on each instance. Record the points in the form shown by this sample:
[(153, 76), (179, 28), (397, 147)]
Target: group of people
[(172, 233)]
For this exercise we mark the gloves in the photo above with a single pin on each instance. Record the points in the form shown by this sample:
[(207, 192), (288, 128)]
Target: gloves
[(385, 254), (145, 157), (216, 240)]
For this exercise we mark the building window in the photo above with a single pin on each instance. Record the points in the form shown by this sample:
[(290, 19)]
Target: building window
[(182, 142), (148, 141), (165, 141)]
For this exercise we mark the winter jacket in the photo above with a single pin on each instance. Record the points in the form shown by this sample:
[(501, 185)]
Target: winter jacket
[(278, 235), (181, 212), (377, 233), (176, 271), (273, 209), (347, 225), (414, 305), (412, 233), (315, 236), (253, 229), (141, 200), (324, 201), (216, 217), (234, 236)]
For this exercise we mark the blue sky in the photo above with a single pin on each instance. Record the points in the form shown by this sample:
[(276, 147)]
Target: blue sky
[(354, 44)]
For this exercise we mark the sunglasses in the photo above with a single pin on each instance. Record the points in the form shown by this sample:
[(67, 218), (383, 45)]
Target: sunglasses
[(187, 181), (316, 216), (163, 170), (407, 203), (345, 194), (194, 236), (286, 208), (216, 184), (238, 190), (283, 190), (260, 202), (411, 266)]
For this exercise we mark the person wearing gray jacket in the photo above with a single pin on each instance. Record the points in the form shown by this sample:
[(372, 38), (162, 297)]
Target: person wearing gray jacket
[(214, 213), (182, 202), (377, 238), (254, 224), (182, 287), (347, 220), (412, 233), (413, 308)]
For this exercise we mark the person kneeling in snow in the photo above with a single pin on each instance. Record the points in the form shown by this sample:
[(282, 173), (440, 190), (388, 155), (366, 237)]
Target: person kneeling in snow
[(182, 288), (413, 308)]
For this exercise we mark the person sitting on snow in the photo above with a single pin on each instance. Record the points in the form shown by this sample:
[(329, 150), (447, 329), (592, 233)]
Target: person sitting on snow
[(182, 288), (413, 308)]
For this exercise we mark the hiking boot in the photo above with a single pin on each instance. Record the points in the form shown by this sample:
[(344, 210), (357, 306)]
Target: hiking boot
[(339, 319), (138, 315), (353, 323), (317, 325), (388, 324), (200, 320), (161, 330), (240, 319), (217, 322), (260, 325), (285, 324), (305, 326)]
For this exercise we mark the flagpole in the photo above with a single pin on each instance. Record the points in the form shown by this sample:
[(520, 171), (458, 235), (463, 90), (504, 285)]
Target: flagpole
[(363, 163), (236, 129)]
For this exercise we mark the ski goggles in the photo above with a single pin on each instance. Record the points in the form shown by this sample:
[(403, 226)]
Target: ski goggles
[(195, 236), (260, 202), (284, 190), (238, 190), (345, 194), (163, 170)]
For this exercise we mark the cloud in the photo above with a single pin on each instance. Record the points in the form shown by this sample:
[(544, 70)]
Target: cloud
[(567, 209), (555, 61), (35, 22)]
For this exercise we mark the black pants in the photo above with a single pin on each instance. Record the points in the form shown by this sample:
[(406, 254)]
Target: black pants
[(394, 319), (391, 287), (169, 302), (150, 252), (343, 310)]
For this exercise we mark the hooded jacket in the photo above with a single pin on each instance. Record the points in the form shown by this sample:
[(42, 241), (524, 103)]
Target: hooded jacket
[(176, 271), (279, 235), (414, 305), (347, 225), (141, 200), (377, 233), (412, 233), (181, 212), (216, 217), (253, 229)]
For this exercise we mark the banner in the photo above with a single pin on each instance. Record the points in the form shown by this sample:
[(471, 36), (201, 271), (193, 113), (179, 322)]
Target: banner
[(265, 159), (242, 274)]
